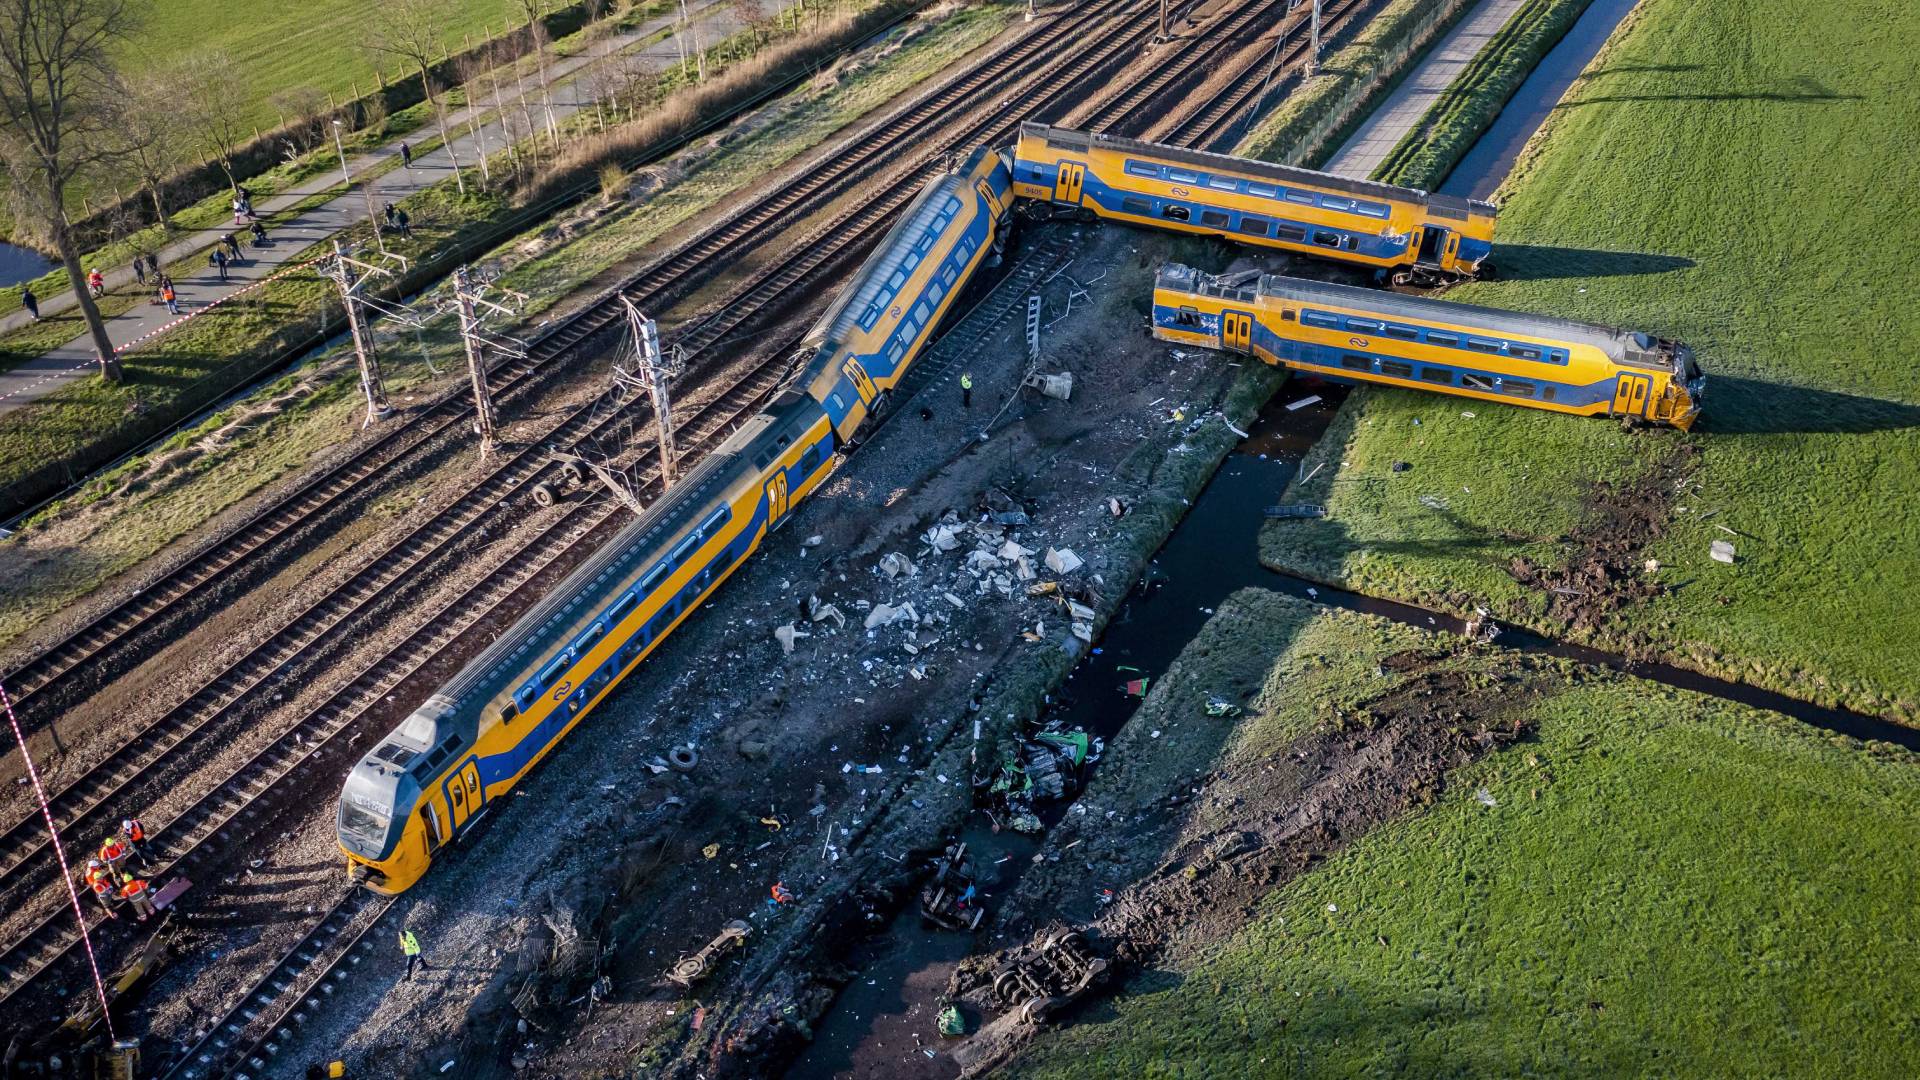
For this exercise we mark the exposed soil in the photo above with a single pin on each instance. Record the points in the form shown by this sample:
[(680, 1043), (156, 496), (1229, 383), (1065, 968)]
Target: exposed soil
[(1271, 820), (1604, 570)]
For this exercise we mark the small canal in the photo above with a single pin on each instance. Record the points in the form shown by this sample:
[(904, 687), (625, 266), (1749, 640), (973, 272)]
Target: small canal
[(18, 264)]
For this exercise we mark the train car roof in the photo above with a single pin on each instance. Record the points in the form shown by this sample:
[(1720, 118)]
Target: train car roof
[(1614, 341), (1447, 205), (854, 297)]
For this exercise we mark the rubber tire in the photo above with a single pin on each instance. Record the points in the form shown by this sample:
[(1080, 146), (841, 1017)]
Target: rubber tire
[(545, 495), (683, 759), (571, 473)]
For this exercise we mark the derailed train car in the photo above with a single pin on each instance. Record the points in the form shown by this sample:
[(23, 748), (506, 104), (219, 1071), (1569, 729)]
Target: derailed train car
[(1407, 235), (433, 777), (1460, 349)]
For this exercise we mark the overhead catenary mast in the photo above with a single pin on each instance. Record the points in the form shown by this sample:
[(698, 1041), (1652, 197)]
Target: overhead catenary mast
[(649, 374), (351, 276), (471, 303)]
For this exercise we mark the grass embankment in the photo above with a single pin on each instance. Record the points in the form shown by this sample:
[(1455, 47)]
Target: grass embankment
[(1310, 122), (128, 514), (1663, 884), (1468, 106), (1709, 178)]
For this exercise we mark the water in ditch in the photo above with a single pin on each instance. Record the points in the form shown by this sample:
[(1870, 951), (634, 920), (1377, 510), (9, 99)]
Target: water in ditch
[(18, 264)]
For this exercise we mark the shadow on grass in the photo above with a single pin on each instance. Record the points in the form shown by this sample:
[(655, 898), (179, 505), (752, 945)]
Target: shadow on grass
[(1539, 262), (1801, 90), (1740, 406)]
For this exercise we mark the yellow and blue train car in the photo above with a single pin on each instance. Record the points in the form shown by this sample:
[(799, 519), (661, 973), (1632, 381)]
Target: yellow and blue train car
[(1461, 349), (433, 777), (1407, 235)]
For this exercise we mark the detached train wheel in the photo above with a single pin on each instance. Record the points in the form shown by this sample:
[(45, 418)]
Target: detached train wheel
[(571, 473), (545, 495)]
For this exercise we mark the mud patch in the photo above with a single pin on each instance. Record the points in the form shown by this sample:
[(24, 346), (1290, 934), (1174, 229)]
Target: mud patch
[(1604, 571)]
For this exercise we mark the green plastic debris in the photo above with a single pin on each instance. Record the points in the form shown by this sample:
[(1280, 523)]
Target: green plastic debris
[(951, 1022), (1075, 743), (1219, 706)]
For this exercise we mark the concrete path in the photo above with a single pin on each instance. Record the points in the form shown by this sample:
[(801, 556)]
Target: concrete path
[(1410, 101), (289, 235)]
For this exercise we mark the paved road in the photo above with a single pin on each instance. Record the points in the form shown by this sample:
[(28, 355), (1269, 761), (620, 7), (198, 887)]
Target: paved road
[(1410, 101), (289, 235)]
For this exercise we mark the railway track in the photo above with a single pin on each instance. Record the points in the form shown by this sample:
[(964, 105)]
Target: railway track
[(1184, 64), (251, 791), (1209, 126), (116, 631)]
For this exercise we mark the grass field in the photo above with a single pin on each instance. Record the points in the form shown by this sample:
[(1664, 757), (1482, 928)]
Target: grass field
[(1663, 885), (1722, 176)]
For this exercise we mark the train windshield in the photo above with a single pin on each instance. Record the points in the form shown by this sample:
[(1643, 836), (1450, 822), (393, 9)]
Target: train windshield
[(363, 824)]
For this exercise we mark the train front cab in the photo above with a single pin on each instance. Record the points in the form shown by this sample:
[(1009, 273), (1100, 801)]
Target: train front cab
[(1452, 243)]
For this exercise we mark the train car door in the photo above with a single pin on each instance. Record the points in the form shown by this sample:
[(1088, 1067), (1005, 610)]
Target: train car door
[(464, 793), (1630, 395), (1432, 242), (776, 498), (1068, 184), (1236, 331), (856, 373)]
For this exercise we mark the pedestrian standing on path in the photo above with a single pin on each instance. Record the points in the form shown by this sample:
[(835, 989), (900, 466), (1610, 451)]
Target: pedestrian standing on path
[(410, 945), (966, 389), (401, 219), (233, 245), (388, 210), (218, 260), (169, 297), (406, 155), (140, 270), (259, 235), (30, 302)]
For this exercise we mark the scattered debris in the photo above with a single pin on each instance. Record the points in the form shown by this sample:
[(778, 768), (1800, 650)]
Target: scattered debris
[(1219, 706), (1054, 386), (1402, 466), (691, 969), (1063, 561), (1296, 510), (1310, 399), (896, 566), (1058, 970), (949, 898), (1721, 551)]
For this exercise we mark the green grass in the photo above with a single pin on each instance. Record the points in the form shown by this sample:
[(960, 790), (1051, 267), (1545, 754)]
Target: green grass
[(1667, 885), (1721, 176), (1468, 106), (136, 509)]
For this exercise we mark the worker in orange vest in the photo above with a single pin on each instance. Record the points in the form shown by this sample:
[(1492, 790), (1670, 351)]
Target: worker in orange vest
[(113, 853), (134, 891), (134, 835), (781, 895), (100, 880)]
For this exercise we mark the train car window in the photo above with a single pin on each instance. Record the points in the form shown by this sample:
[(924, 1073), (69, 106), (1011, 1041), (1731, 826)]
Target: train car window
[(894, 354), (525, 698), (807, 461), (552, 672), (1396, 369), (711, 527), (1176, 212), (1186, 316), (1320, 319), (652, 580), (1356, 362), (1184, 176), (1327, 239), (1476, 382), (1304, 198), (1290, 234), (1286, 315), (1142, 168), (593, 634), (1375, 210), (1364, 326), (1439, 337), (1546, 393), (1214, 218), (1253, 226), (1524, 352), (920, 312), (1265, 191), (1437, 375), (621, 607), (1136, 206), (1557, 356), (1404, 333), (838, 401), (1485, 345), (897, 279), (1332, 203), (1223, 183), (925, 241), (935, 292), (508, 712), (1517, 389), (948, 275)]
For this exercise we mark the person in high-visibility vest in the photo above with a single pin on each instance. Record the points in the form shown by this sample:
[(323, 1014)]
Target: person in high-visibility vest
[(411, 946), (966, 389), (134, 891), (113, 853), (100, 880), (134, 835)]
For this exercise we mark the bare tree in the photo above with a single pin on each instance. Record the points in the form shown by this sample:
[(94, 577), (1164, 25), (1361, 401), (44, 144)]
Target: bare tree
[(154, 142), (303, 110), (411, 30), (57, 88), (212, 99), (537, 33), (470, 70)]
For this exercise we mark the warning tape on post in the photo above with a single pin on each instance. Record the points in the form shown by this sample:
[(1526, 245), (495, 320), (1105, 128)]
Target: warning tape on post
[(122, 350)]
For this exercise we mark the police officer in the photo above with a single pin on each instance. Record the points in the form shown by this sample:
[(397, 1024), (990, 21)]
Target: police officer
[(966, 389), (410, 945)]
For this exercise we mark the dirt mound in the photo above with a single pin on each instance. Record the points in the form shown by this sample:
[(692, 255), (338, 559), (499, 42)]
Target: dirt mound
[(1603, 573)]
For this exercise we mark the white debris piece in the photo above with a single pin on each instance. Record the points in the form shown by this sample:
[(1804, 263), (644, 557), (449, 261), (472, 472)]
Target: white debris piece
[(1013, 552), (823, 612), (785, 636), (980, 562), (1083, 631), (1063, 560), (896, 565), (1023, 569), (814, 541), (1079, 611), (955, 601), (941, 537), (882, 615), (1310, 399), (1485, 798), (1721, 550)]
